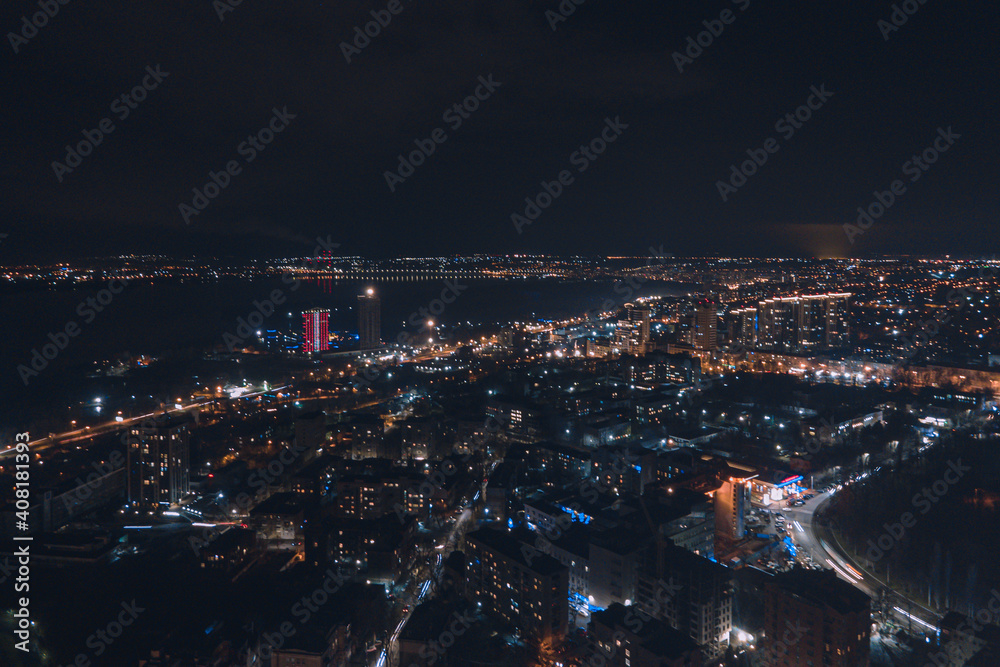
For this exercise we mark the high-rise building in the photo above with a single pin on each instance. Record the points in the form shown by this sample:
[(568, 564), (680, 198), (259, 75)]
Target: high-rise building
[(523, 586), (315, 330), (810, 321), (706, 326), (732, 500), (621, 639), (796, 323), (369, 326), (776, 324), (838, 311), (158, 467), (743, 328), (632, 332), (812, 617), (691, 593)]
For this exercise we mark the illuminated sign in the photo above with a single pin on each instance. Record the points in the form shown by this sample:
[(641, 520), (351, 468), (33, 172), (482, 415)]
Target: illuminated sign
[(790, 480)]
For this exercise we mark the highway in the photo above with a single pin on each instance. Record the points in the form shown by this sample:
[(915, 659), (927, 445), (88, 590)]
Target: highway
[(88, 432), (81, 434)]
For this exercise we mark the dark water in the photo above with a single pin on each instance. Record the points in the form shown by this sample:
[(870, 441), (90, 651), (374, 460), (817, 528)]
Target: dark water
[(158, 318)]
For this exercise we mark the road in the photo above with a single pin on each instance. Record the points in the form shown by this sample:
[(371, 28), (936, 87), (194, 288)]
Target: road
[(444, 550), (89, 432), (817, 540), (81, 434)]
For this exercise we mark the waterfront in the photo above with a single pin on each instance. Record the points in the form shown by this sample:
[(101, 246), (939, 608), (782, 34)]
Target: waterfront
[(188, 318)]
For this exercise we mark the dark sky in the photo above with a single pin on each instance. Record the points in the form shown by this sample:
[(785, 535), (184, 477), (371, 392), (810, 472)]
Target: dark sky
[(655, 185)]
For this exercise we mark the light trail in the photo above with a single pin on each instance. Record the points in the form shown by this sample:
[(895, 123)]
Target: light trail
[(843, 573), (920, 621)]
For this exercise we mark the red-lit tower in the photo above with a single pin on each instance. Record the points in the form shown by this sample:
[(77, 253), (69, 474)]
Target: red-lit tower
[(315, 330)]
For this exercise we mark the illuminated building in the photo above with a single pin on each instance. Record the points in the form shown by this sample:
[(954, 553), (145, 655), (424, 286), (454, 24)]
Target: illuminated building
[(691, 593), (623, 641), (520, 421), (776, 324), (731, 501), (838, 311), (810, 322), (419, 438), (383, 547), (367, 497), (632, 332), (158, 472), (369, 326), (367, 434), (705, 326), (521, 585), (658, 368), (743, 327), (812, 617), (793, 323), (315, 330)]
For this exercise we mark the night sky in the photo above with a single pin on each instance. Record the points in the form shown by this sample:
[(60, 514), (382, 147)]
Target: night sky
[(656, 184)]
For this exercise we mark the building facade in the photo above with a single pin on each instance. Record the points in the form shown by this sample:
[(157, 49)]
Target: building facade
[(369, 324), (706, 326), (813, 618), (158, 467), (521, 585), (315, 330), (793, 324)]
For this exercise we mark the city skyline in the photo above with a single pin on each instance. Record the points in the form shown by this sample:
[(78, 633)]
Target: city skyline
[(521, 333)]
